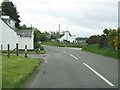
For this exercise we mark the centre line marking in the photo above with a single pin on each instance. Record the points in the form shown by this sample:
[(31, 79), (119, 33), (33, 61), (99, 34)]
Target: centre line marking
[(103, 78), (73, 56)]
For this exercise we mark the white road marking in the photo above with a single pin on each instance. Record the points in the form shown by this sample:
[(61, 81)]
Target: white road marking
[(46, 61), (103, 78), (65, 52), (73, 56)]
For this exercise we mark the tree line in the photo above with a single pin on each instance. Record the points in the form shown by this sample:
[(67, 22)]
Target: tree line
[(109, 38)]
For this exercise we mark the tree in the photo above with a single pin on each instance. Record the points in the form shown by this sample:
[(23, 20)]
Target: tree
[(55, 35), (94, 39), (8, 8), (116, 39), (37, 34), (103, 41), (24, 27), (106, 31)]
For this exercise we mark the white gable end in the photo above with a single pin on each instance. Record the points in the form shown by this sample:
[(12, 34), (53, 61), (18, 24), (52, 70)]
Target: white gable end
[(8, 36), (67, 37)]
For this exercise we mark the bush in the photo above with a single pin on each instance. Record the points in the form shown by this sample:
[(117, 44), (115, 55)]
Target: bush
[(41, 47), (36, 45), (105, 51)]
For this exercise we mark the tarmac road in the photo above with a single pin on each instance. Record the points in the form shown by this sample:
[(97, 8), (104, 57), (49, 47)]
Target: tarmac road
[(73, 68)]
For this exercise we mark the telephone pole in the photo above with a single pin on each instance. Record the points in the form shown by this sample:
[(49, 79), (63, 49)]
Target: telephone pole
[(67, 33), (59, 30)]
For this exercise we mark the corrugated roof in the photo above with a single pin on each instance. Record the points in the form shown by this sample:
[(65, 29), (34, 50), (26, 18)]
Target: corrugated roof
[(24, 33)]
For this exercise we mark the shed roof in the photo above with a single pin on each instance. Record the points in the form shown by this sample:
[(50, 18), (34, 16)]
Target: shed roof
[(24, 33)]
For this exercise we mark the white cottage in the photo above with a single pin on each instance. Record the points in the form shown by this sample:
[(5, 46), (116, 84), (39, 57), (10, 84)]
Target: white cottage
[(8, 34), (11, 22), (67, 37), (11, 36)]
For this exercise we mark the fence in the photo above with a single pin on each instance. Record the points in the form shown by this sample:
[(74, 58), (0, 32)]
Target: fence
[(17, 50)]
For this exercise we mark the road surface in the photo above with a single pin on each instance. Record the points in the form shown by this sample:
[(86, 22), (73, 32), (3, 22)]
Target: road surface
[(72, 68)]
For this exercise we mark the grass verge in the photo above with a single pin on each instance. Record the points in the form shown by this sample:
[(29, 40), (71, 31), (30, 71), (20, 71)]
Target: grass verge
[(65, 44), (102, 51), (16, 70), (41, 52), (22, 52)]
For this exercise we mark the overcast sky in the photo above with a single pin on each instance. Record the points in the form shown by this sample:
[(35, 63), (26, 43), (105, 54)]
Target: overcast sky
[(82, 17)]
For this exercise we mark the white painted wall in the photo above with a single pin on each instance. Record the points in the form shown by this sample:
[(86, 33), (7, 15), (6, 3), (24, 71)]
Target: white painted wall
[(9, 21), (8, 36), (22, 41), (68, 38), (0, 35)]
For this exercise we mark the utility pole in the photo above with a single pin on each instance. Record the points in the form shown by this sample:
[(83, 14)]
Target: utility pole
[(31, 25), (59, 30), (67, 33)]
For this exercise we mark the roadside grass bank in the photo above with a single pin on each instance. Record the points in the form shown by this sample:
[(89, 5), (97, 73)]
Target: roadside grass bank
[(42, 52), (106, 51), (16, 70), (23, 51), (65, 44)]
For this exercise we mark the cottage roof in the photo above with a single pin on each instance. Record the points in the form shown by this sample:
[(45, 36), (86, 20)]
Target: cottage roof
[(24, 33)]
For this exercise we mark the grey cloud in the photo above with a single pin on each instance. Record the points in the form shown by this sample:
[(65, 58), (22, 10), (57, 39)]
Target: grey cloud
[(95, 15)]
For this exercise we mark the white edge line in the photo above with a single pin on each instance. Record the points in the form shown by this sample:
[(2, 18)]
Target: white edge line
[(73, 56), (103, 78)]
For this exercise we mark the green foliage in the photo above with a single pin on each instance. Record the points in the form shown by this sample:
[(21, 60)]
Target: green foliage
[(43, 37), (103, 41), (16, 70), (65, 44), (41, 52), (39, 38), (93, 39), (110, 38), (41, 47), (106, 51), (37, 34), (81, 38), (8, 8), (24, 27), (55, 35), (36, 45), (106, 31)]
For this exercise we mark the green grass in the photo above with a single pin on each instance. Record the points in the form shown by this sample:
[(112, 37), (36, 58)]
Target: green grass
[(102, 51), (41, 52), (22, 52), (16, 70), (65, 44)]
